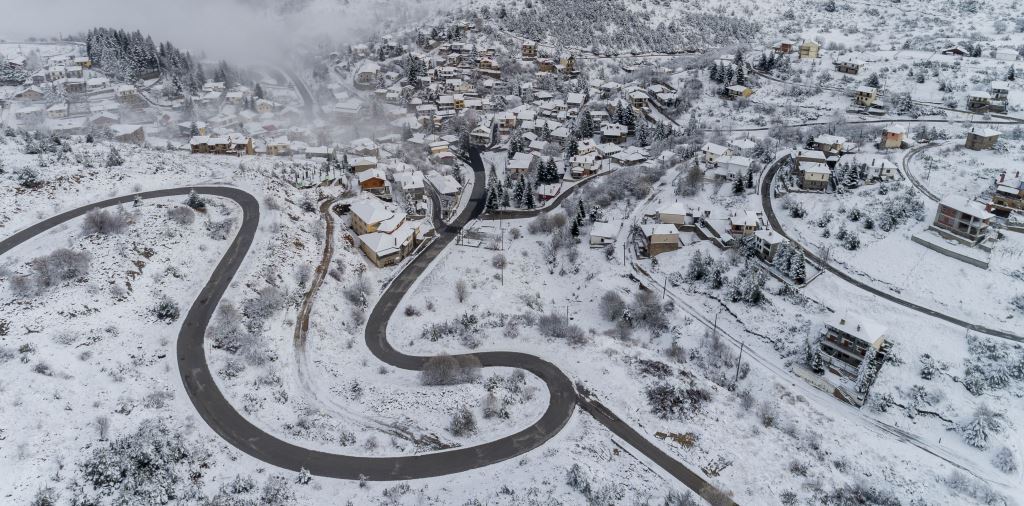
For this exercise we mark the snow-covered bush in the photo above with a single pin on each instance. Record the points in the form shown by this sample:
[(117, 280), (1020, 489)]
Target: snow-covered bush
[(463, 423), (974, 488), (166, 309), (1004, 460), (154, 465), (1017, 302), (28, 177), (977, 430), (46, 496), (991, 365), (859, 493), (668, 401)]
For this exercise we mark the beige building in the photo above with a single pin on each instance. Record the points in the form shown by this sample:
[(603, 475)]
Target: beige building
[(660, 238), (809, 49), (893, 135), (865, 96)]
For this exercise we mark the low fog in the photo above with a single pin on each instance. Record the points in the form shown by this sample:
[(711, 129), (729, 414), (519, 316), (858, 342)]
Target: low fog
[(245, 31)]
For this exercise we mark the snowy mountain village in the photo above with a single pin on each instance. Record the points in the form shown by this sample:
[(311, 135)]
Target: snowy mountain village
[(538, 252)]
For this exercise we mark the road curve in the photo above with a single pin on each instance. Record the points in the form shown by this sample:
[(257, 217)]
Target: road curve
[(229, 424), (766, 203)]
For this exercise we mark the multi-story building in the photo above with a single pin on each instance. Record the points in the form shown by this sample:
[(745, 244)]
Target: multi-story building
[(962, 219), (847, 341)]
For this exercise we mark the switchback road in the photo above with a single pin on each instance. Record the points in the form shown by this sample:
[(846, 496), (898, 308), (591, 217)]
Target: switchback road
[(228, 423)]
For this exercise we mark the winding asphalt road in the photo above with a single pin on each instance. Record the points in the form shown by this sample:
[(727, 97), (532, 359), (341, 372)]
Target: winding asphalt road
[(228, 423), (766, 203)]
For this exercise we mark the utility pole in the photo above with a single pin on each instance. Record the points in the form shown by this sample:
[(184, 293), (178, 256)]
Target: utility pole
[(664, 291), (738, 362), (715, 331)]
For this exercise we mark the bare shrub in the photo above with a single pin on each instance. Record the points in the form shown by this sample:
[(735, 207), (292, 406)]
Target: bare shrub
[(449, 370), (181, 215), (104, 222), (556, 325), (61, 265), (358, 293), (767, 413), (612, 306), (411, 311), (499, 261), (219, 230)]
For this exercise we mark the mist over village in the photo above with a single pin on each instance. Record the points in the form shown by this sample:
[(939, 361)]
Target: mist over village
[(538, 252)]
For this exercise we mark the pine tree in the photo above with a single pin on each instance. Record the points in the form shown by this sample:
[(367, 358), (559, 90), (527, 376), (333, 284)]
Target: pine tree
[(529, 201), (114, 158), (741, 76), (195, 201), (572, 148), (519, 194), (874, 81), (492, 199), (581, 212), (868, 371), (714, 73), (750, 179), (574, 228), (782, 257), (737, 186), (797, 267), (1011, 75), (515, 143)]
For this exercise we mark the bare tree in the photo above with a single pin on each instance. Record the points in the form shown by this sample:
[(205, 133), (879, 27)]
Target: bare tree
[(461, 290)]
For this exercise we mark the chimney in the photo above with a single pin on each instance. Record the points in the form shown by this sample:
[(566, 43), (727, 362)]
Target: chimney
[(858, 326), (842, 321), (1002, 177)]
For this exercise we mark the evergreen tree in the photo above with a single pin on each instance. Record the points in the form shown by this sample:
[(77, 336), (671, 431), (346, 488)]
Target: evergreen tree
[(782, 257), (515, 143), (114, 158), (1011, 75), (193, 129), (574, 228), (195, 201), (714, 73), (548, 172), (874, 81), (750, 179), (797, 267), (492, 199), (737, 186), (519, 194), (258, 91), (572, 148), (529, 201), (741, 76)]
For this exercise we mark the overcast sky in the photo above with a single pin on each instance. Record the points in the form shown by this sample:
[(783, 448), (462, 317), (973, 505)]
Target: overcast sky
[(234, 29)]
